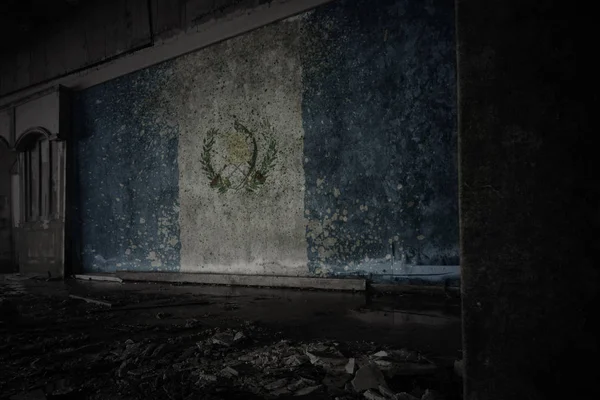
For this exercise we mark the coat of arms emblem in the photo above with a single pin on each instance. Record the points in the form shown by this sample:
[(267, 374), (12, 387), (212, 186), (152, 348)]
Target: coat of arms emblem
[(238, 160)]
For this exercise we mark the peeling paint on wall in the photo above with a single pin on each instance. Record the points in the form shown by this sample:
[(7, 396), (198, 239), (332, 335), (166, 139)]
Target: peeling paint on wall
[(379, 116), (323, 144), (127, 212)]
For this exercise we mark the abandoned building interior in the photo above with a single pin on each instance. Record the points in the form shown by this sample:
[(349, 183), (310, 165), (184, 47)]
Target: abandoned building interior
[(328, 199)]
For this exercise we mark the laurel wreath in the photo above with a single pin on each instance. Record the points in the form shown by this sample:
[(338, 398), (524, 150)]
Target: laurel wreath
[(257, 174)]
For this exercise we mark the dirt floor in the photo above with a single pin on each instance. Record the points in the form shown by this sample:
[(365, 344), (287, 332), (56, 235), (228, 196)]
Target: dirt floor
[(157, 341)]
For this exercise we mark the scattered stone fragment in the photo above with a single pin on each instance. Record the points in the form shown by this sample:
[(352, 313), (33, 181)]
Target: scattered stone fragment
[(350, 366), (381, 353), (293, 361), (229, 372), (123, 368), (141, 371), (300, 383), (307, 390), (405, 396), (276, 384), (206, 377), (189, 352), (192, 323), (384, 390), (336, 380), (58, 387), (373, 395), (412, 368), (93, 301), (33, 395), (238, 336), (130, 350), (406, 355), (149, 350), (368, 377), (280, 391), (330, 359), (223, 339), (158, 351), (384, 365), (430, 395)]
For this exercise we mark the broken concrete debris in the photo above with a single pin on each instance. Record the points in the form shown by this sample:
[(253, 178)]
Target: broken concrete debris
[(373, 395), (276, 384), (430, 395), (227, 338), (336, 380), (229, 372), (405, 396), (33, 395), (386, 391), (186, 359), (350, 366), (307, 390), (402, 362), (162, 315), (368, 377)]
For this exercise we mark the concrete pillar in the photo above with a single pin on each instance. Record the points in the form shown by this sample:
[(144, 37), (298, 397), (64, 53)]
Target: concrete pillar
[(529, 199)]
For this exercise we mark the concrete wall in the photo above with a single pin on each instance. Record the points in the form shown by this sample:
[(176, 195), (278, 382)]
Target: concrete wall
[(126, 194), (380, 144), (529, 200), (323, 144)]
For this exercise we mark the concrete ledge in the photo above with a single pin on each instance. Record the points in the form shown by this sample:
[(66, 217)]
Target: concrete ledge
[(394, 288), (299, 282), (98, 277)]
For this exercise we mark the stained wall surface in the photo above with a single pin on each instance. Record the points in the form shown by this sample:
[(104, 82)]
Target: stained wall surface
[(323, 144)]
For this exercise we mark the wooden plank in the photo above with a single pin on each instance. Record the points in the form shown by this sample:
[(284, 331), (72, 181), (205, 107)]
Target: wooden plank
[(167, 17), (55, 52), (74, 42), (38, 71), (23, 66), (196, 12), (8, 73), (116, 26), (95, 34), (137, 18)]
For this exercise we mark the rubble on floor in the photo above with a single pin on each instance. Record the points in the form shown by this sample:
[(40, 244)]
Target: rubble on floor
[(85, 352)]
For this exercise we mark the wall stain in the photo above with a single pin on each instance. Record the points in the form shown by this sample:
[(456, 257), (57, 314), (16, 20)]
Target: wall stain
[(356, 176), (127, 175), (380, 136)]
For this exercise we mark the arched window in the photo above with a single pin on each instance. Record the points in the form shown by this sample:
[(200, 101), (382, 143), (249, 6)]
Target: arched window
[(36, 169)]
